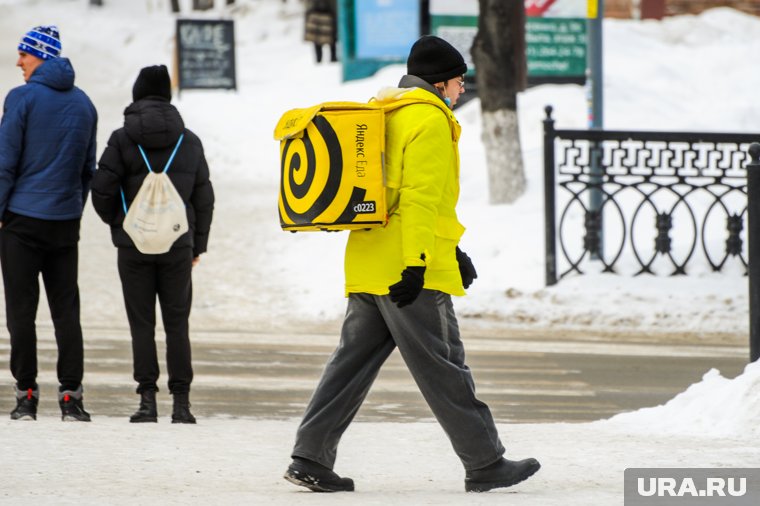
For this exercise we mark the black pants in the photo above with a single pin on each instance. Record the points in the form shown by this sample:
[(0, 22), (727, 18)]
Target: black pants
[(318, 52), (169, 276), (30, 247)]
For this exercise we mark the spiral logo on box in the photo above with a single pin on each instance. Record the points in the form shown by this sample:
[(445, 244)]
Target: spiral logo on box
[(298, 155)]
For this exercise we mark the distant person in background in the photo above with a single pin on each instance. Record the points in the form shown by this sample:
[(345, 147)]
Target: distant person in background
[(153, 126), (321, 26), (47, 158)]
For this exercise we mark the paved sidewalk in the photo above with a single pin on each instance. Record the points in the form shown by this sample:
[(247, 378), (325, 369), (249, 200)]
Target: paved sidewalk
[(272, 375)]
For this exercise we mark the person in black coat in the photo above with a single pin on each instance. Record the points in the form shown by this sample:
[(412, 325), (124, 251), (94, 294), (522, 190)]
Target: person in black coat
[(153, 123)]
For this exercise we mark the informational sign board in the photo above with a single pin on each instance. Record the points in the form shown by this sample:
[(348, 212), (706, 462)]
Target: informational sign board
[(206, 54), (559, 8), (454, 7), (556, 35), (375, 33), (386, 28), (556, 46)]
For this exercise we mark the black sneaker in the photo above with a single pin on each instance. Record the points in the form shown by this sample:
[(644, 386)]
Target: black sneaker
[(502, 473), (316, 477), (26, 404), (72, 409)]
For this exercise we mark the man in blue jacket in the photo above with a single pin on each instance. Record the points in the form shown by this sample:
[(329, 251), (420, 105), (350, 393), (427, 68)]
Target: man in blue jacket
[(47, 158)]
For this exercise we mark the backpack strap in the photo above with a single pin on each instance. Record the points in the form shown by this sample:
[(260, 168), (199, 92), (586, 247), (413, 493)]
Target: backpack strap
[(171, 158), (147, 163)]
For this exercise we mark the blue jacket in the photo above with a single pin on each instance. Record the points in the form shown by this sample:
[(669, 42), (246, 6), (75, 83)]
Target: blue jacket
[(47, 145)]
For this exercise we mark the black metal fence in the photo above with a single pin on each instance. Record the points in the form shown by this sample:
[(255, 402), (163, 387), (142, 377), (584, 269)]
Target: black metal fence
[(753, 207), (648, 202)]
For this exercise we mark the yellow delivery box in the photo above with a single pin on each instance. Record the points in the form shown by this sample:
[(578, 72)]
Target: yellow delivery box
[(331, 167)]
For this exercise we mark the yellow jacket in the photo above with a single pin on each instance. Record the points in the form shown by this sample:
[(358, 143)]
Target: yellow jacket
[(422, 189)]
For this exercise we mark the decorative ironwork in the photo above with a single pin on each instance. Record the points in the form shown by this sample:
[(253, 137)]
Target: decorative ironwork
[(664, 224), (666, 198), (734, 242), (593, 226)]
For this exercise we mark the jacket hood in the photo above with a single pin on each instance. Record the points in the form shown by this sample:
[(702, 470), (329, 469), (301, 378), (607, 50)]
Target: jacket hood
[(424, 93), (153, 123), (56, 73), (407, 85), (409, 81)]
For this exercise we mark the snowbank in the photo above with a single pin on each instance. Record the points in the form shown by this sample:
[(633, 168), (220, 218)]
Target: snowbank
[(714, 407)]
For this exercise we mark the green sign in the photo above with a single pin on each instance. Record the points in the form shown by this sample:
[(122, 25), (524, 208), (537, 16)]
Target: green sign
[(556, 46)]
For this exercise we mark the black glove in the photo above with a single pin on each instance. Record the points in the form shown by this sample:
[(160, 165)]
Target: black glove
[(466, 269), (406, 291)]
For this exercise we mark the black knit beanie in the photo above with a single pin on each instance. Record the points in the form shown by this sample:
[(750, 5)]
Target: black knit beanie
[(152, 81), (434, 60)]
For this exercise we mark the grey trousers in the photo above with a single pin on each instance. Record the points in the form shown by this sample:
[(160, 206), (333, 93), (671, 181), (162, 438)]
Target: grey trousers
[(427, 336)]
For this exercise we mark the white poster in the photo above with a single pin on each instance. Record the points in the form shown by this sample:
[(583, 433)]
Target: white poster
[(454, 7)]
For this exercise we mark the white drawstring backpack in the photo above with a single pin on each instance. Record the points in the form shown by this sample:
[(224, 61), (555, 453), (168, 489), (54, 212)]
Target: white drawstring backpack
[(157, 216)]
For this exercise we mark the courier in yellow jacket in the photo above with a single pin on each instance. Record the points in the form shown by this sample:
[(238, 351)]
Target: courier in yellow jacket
[(422, 181), (399, 281)]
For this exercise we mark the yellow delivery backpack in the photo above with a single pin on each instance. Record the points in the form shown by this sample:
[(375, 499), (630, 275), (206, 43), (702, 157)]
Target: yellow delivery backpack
[(331, 167)]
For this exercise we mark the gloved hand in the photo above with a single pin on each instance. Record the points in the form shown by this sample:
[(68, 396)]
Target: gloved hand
[(408, 289), (466, 269)]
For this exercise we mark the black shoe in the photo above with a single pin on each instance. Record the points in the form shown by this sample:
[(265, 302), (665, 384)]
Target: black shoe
[(26, 404), (316, 477), (147, 412), (72, 409), (502, 473), (181, 411)]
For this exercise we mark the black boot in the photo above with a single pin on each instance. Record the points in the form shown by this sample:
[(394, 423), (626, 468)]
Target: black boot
[(181, 412), (316, 477), (502, 473), (147, 411)]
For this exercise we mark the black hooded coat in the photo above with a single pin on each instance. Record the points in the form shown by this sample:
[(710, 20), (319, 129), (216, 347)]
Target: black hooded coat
[(156, 125)]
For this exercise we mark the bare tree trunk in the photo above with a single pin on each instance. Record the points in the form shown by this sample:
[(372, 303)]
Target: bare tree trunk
[(175, 6), (499, 55)]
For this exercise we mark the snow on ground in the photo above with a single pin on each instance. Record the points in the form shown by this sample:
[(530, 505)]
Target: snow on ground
[(716, 406), (684, 73), (241, 462)]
